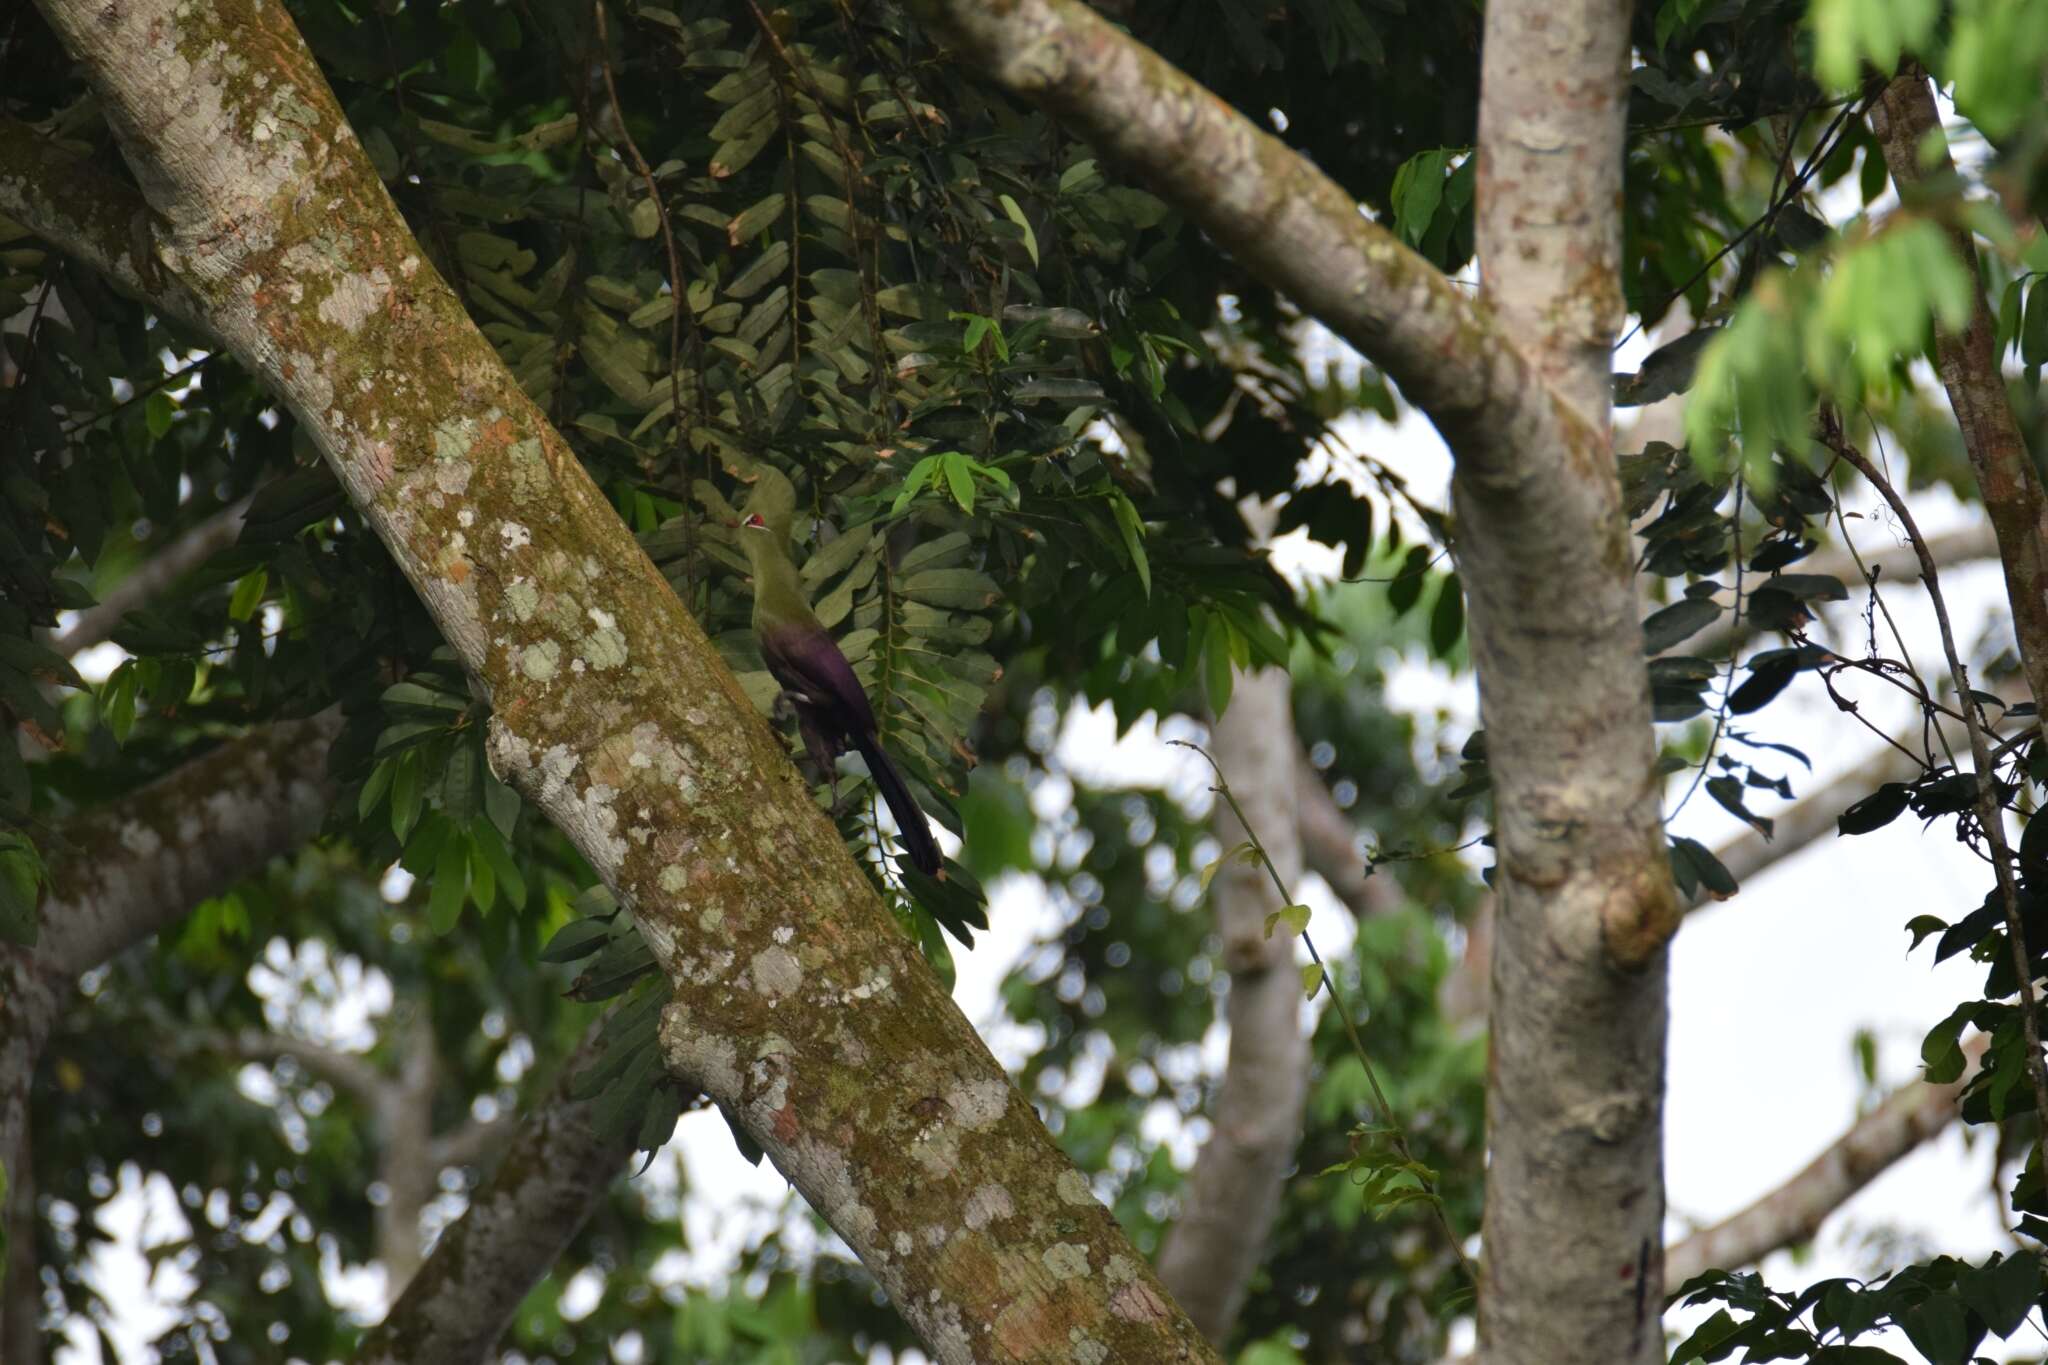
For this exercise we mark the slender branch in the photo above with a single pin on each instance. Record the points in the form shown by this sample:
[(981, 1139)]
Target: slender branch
[(1908, 128), (150, 578), (350, 1072), (552, 1174), (1990, 816), (1329, 844), (1794, 1211)]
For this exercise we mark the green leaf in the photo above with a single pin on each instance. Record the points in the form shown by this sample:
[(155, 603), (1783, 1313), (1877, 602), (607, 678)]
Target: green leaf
[(248, 596), (374, 788), (1679, 621), (1242, 849), (1293, 917), (451, 883), (1311, 980), (579, 938), (1876, 810), (1693, 865), (1418, 189), (1447, 618), (2003, 1291), (959, 480), (117, 701), (491, 846), (1216, 664), (158, 413), (21, 879), (1847, 33), (1938, 1329), (2034, 332), (1133, 531), (1017, 216), (405, 795)]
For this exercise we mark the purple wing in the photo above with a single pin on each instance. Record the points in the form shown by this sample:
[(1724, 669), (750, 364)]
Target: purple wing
[(833, 714), (810, 667)]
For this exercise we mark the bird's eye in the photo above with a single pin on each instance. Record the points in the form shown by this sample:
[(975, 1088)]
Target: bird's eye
[(756, 522)]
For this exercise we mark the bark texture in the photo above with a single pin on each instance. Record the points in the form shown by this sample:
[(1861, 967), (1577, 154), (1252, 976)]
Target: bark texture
[(552, 1173), (1575, 1184), (1233, 1192), (120, 874), (797, 1003), (1905, 121), (1575, 1190)]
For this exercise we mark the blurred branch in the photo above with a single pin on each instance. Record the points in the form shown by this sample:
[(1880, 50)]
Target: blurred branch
[(151, 577), (1908, 127), (1233, 1191), (118, 874), (1795, 1210), (472, 1142), (554, 1170), (350, 1072), (1329, 843)]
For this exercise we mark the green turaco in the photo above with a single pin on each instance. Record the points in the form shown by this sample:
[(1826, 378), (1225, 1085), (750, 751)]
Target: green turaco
[(832, 711)]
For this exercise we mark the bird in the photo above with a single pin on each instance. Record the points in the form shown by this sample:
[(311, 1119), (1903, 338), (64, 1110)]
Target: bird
[(832, 710)]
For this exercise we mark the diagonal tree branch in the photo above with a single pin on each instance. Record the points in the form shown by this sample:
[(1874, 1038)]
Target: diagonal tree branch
[(1908, 127), (1793, 1212), (1233, 1191), (1575, 1190), (553, 1171), (1285, 220), (151, 577), (1329, 843), (797, 1004)]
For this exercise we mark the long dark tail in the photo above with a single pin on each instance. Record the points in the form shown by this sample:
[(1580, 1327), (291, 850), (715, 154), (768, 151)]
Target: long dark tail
[(917, 834)]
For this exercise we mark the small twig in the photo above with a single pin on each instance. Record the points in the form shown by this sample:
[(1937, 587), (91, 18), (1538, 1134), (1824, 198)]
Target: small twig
[(1989, 813), (144, 391), (1343, 1012)]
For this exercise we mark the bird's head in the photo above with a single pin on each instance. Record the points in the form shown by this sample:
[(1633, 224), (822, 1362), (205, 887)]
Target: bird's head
[(771, 507)]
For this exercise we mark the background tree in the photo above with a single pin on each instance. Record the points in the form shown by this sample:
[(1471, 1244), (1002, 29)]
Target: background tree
[(1028, 403)]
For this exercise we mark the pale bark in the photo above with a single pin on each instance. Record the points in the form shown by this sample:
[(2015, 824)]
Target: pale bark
[(1905, 121), (1794, 1211), (554, 1170), (1575, 1189), (118, 875), (173, 561), (400, 1108), (1233, 1192), (797, 1004), (1575, 1182)]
